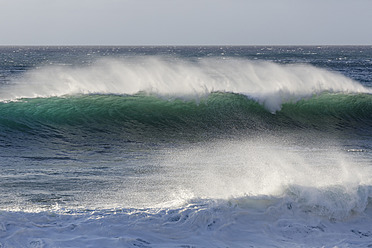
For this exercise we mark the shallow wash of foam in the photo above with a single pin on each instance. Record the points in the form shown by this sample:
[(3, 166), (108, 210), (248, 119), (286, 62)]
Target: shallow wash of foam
[(306, 197)]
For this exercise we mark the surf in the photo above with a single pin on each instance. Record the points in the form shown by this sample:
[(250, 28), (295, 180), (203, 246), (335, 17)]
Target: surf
[(186, 150), (225, 191), (268, 83)]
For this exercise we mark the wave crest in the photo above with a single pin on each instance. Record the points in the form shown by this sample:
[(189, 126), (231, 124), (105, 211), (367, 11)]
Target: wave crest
[(268, 83)]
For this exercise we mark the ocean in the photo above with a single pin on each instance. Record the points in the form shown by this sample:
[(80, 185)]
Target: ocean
[(232, 146)]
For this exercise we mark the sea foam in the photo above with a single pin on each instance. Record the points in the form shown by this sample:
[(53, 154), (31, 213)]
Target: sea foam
[(287, 199)]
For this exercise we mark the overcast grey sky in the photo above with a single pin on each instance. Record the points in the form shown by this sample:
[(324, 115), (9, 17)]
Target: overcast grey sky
[(185, 22)]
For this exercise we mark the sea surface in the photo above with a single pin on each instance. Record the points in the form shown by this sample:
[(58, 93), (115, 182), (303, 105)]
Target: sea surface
[(250, 146)]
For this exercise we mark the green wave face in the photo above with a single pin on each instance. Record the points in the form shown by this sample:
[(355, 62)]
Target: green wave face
[(147, 115), (331, 111)]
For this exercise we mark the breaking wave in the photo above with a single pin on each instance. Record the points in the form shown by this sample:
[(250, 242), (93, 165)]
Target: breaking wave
[(268, 83)]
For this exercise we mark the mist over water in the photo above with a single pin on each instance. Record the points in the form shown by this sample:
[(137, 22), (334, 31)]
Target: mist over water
[(238, 168), (268, 83)]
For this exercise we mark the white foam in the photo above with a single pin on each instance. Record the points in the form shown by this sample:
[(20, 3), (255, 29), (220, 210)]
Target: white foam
[(275, 222), (219, 194), (328, 181), (269, 83)]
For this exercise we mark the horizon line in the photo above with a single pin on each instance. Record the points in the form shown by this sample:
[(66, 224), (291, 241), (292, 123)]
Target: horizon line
[(182, 45)]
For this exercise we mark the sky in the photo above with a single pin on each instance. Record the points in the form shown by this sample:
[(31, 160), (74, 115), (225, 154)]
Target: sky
[(185, 22)]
